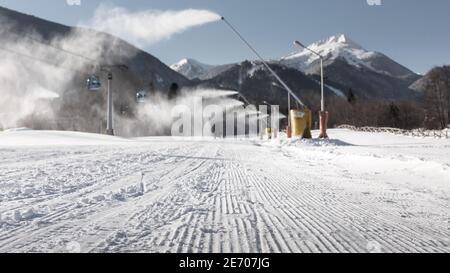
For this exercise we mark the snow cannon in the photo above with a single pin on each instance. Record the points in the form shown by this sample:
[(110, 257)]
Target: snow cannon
[(302, 130), (268, 133), (301, 123)]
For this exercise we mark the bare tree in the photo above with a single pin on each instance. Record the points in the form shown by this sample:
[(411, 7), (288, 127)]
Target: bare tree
[(437, 97)]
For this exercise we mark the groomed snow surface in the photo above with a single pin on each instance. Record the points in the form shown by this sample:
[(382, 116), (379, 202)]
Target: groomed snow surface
[(358, 192)]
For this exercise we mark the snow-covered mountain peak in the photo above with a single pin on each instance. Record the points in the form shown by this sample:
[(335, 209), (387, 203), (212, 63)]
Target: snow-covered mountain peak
[(180, 63), (337, 46), (188, 62), (190, 68), (336, 41)]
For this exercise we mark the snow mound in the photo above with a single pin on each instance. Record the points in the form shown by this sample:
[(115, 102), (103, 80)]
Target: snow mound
[(314, 143), (17, 216)]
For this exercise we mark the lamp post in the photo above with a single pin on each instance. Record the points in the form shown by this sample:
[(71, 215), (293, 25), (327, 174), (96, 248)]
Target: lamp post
[(323, 113)]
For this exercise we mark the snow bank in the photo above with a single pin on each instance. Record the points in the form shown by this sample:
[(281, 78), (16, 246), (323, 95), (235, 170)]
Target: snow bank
[(18, 129), (25, 137), (370, 139)]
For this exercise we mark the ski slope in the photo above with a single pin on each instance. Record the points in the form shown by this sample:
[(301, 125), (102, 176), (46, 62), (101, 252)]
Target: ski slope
[(359, 192)]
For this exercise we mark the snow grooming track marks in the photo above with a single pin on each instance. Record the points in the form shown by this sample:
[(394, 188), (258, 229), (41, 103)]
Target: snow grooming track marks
[(271, 208), (173, 220), (279, 222), (104, 168), (67, 217), (220, 196), (370, 218)]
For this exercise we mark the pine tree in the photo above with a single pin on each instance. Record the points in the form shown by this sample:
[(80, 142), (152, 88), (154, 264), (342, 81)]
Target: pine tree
[(173, 91), (351, 97)]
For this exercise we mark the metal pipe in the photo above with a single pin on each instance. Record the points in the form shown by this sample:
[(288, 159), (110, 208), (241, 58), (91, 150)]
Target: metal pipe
[(322, 97), (264, 62)]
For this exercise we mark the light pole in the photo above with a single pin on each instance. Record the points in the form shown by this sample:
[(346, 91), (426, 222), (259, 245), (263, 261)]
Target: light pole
[(323, 113)]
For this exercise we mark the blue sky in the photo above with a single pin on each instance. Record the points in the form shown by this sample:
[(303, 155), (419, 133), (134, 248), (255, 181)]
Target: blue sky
[(415, 33)]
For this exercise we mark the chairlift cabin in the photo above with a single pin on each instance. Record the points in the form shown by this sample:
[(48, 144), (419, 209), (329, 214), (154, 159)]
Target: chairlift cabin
[(141, 96), (93, 83)]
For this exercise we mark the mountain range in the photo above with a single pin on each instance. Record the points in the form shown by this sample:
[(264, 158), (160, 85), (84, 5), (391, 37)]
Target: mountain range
[(347, 65), (369, 74)]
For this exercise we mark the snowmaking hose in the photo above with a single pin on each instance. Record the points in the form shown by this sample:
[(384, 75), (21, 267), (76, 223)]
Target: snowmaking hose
[(265, 63)]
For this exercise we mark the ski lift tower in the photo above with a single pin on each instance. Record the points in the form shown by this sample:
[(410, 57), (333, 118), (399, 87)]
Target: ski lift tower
[(109, 122), (108, 69)]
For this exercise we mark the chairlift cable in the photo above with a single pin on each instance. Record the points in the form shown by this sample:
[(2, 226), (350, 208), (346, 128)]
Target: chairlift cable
[(33, 58), (53, 46), (94, 62)]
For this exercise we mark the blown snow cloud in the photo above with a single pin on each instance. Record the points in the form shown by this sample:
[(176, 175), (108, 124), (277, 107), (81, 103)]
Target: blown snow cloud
[(35, 74), (38, 75), (149, 26)]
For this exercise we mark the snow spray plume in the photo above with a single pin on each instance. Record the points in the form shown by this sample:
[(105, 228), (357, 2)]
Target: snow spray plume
[(154, 117), (42, 85), (149, 26), (37, 74)]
